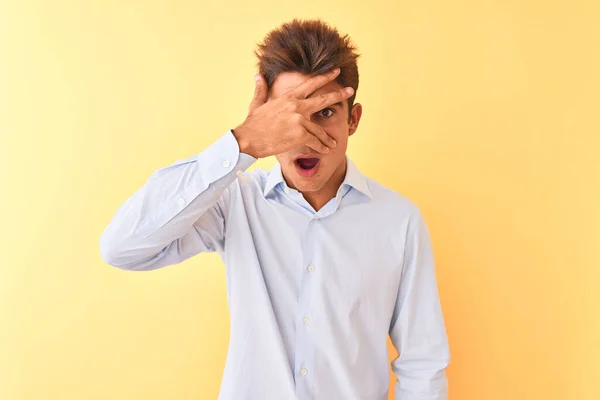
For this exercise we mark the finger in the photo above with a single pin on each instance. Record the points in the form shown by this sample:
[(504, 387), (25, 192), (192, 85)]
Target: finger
[(323, 100), (310, 85), (319, 133), (314, 143), (260, 93)]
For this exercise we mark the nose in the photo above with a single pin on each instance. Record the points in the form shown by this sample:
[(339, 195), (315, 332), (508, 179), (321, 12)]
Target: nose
[(304, 150)]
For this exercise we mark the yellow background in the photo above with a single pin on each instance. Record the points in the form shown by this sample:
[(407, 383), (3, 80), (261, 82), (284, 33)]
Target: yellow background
[(485, 113)]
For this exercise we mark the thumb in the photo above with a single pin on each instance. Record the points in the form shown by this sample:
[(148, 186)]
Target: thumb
[(260, 93)]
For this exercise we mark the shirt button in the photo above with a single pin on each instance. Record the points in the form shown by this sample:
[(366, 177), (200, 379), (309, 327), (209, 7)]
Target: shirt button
[(226, 163), (239, 173), (286, 190), (181, 201), (304, 371), (306, 320), (311, 268)]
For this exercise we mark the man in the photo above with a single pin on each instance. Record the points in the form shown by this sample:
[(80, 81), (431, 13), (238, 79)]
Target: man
[(322, 263)]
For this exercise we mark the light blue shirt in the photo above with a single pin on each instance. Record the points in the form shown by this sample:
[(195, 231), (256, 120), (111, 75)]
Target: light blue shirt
[(312, 295)]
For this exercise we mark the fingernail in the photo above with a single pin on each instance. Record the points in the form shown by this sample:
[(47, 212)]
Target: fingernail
[(257, 77), (349, 90), (334, 143), (335, 71)]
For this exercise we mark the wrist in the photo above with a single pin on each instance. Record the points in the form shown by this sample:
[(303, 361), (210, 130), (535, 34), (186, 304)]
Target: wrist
[(243, 143)]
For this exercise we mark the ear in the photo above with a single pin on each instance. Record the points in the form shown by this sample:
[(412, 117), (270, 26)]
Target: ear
[(354, 118)]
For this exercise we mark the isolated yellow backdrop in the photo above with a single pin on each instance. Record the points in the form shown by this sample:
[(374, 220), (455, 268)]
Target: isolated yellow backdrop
[(485, 113)]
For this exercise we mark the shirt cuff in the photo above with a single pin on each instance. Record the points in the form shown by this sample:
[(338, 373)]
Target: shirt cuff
[(221, 158)]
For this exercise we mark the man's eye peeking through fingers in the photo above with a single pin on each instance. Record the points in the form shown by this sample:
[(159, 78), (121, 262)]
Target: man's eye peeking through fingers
[(325, 113)]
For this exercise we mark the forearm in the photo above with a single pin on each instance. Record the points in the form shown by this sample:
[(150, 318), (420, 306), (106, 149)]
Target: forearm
[(422, 380), (187, 194)]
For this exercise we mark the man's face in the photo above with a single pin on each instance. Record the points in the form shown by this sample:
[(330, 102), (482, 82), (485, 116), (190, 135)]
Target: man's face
[(331, 167)]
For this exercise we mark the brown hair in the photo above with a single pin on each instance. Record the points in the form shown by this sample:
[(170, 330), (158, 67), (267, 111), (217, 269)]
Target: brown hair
[(310, 47)]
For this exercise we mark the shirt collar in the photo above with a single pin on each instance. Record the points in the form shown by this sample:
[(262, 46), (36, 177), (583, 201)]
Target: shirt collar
[(274, 178), (354, 178)]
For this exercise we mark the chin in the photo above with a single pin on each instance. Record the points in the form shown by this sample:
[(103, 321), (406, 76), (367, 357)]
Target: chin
[(305, 187), (304, 184)]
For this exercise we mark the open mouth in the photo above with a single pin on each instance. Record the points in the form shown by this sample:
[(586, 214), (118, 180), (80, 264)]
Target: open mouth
[(307, 167)]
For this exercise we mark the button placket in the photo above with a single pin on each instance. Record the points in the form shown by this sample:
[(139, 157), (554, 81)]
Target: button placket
[(304, 343)]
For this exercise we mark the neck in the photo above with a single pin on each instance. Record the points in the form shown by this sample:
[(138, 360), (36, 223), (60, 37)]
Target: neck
[(319, 198)]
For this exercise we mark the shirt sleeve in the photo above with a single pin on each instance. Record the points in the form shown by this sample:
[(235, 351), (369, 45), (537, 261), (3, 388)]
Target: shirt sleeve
[(179, 212), (417, 330)]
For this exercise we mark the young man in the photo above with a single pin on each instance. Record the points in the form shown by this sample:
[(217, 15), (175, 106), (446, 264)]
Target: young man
[(322, 263)]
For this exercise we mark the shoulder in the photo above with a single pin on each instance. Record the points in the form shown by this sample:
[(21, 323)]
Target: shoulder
[(391, 200)]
